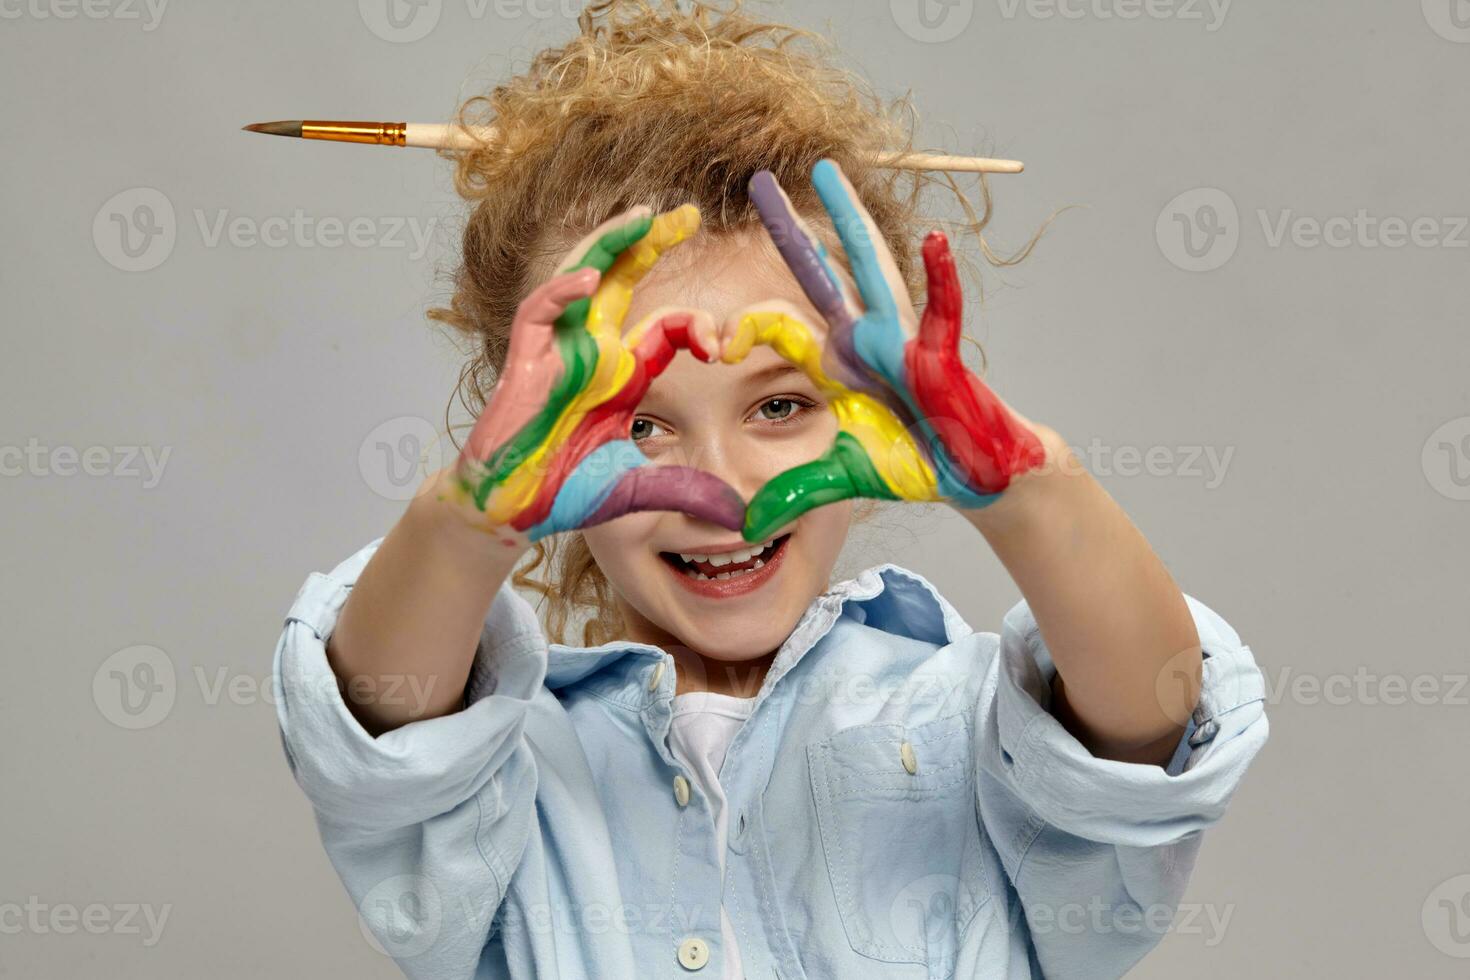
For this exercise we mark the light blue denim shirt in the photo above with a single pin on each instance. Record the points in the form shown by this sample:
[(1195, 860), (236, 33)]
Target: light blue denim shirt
[(901, 803)]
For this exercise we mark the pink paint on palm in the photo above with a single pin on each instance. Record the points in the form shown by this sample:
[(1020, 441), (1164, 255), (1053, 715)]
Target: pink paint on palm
[(532, 365)]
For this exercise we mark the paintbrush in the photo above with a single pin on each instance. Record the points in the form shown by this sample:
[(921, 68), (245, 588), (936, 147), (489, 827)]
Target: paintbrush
[(443, 136)]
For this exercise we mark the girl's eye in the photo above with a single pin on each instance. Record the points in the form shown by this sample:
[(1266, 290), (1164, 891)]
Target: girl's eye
[(784, 410), (642, 429), (778, 408)]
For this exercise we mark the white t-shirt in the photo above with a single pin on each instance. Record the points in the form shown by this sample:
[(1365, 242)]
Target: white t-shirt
[(703, 725)]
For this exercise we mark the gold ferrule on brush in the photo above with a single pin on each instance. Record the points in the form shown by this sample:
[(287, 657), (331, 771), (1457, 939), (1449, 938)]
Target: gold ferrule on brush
[(382, 133)]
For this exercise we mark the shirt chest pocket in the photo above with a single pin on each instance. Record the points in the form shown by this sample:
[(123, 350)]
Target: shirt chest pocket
[(901, 837)]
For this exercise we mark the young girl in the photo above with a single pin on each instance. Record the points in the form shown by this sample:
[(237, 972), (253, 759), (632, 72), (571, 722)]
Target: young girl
[(749, 771)]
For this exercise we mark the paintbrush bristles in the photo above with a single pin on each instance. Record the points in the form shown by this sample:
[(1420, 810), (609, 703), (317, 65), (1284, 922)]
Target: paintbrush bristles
[(287, 127)]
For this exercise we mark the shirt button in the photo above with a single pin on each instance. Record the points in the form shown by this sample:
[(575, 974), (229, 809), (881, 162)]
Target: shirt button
[(681, 790), (906, 754), (693, 953), (656, 676)]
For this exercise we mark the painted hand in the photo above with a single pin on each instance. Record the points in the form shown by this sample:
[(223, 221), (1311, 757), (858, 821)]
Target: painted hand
[(913, 422), (551, 450)]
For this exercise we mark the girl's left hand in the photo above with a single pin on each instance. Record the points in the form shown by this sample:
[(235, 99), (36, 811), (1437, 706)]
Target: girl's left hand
[(551, 452), (913, 422)]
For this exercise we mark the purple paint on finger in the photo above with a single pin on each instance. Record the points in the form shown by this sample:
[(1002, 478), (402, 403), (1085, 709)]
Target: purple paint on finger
[(796, 248), (697, 493), (812, 273)]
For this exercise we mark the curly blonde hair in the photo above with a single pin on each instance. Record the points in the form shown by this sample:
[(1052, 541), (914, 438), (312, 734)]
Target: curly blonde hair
[(650, 104)]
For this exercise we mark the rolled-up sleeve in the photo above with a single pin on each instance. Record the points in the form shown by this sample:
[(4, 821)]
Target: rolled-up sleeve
[(396, 812), (1095, 842)]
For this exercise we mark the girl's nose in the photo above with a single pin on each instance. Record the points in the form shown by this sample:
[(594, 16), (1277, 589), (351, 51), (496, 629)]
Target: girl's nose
[(731, 458)]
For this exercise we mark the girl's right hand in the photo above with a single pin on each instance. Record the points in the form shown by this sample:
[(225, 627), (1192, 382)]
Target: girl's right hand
[(551, 451), (913, 422)]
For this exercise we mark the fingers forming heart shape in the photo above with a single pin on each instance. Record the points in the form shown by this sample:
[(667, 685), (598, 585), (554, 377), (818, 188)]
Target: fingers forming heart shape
[(551, 452)]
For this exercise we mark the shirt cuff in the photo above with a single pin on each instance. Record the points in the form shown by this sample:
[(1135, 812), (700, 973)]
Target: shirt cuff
[(423, 768), (1125, 803)]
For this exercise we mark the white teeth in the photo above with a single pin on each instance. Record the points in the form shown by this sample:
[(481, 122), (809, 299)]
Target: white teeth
[(696, 573), (729, 557)]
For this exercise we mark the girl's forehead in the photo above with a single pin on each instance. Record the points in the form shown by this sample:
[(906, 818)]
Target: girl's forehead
[(688, 382), (731, 262), (719, 275)]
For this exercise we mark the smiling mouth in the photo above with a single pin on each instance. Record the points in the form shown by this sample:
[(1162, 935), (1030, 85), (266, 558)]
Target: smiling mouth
[(701, 567)]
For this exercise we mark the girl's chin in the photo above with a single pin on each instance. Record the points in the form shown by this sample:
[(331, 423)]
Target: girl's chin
[(733, 638)]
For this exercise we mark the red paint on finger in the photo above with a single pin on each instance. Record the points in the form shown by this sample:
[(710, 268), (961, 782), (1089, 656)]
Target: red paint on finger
[(532, 364), (611, 419), (1001, 446)]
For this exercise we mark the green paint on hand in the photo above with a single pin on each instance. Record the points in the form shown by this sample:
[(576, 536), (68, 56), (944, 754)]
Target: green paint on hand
[(843, 471), (579, 360)]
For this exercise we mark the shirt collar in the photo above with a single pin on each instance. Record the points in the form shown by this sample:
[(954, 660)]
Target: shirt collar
[(886, 597)]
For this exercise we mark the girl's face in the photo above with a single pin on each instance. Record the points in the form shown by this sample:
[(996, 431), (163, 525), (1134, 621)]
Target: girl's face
[(744, 423)]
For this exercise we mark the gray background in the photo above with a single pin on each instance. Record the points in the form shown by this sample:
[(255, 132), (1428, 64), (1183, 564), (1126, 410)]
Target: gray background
[(1335, 376)]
